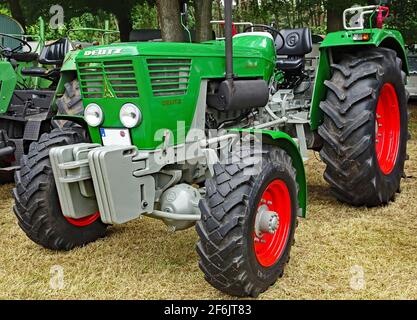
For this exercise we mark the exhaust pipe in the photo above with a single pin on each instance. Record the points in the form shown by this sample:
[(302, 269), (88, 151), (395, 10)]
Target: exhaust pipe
[(234, 94), (228, 25)]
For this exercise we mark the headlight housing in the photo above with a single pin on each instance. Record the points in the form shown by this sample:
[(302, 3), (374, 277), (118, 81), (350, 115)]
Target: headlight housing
[(93, 115), (130, 115)]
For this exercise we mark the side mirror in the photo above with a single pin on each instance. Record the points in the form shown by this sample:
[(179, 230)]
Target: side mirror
[(184, 13)]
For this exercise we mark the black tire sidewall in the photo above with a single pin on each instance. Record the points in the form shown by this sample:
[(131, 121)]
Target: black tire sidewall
[(260, 274), (348, 130), (45, 223)]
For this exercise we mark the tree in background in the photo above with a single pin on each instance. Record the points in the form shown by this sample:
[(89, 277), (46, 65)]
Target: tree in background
[(145, 16), (320, 15), (404, 18), (203, 16), (26, 13), (169, 20), (16, 11)]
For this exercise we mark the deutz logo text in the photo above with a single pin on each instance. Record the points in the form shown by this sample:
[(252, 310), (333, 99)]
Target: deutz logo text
[(102, 52)]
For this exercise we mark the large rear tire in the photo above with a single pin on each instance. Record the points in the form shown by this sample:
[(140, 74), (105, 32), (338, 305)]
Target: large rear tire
[(238, 255), (365, 127), (37, 206), (69, 104)]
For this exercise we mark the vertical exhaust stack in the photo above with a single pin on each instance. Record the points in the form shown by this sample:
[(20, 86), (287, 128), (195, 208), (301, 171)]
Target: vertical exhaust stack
[(234, 94), (228, 17)]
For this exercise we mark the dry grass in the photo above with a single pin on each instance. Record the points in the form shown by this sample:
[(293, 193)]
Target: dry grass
[(142, 261)]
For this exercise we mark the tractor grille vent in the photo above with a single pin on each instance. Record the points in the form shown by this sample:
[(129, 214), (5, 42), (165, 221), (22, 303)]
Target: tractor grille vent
[(108, 79), (169, 77)]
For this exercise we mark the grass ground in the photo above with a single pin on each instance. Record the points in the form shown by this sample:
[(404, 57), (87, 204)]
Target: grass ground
[(340, 252)]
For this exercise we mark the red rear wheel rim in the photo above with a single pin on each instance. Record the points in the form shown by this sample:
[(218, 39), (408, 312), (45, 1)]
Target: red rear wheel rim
[(269, 247), (83, 222), (387, 129)]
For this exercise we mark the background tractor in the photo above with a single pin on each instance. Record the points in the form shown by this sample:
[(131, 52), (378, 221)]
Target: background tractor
[(216, 134), (412, 79), (35, 80)]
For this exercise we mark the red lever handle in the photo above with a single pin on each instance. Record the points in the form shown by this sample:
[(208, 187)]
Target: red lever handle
[(381, 17), (234, 29)]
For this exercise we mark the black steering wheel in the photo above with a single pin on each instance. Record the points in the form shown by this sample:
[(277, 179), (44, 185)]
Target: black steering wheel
[(8, 51), (275, 32)]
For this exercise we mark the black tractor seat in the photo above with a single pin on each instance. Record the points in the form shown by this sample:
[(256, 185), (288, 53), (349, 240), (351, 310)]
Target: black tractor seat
[(145, 35), (291, 53), (292, 64), (52, 54)]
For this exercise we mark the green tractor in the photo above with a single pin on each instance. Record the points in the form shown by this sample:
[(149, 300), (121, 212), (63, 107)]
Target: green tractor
[(215, 134), (16, 54), (36, 79)]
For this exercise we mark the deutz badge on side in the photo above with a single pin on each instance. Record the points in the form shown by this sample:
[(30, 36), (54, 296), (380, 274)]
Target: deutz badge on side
[(102, 52)]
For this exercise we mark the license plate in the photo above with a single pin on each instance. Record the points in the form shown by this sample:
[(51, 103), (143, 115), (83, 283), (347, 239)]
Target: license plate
[(115, 137)]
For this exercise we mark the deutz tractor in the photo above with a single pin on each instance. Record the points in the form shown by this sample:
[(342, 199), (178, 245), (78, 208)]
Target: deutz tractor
[(215, 134), (31, 89)]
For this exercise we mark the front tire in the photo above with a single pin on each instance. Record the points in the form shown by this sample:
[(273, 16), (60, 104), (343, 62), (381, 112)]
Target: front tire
[(37, 206), (238, 255), (365, 127)]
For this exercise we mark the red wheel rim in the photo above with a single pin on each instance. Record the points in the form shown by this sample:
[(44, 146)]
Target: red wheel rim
[(269, 247), (83, 222), (387, 129)]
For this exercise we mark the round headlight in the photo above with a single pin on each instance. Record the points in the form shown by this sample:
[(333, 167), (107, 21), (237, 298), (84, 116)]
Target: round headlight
[(93, 115), (130, 115)]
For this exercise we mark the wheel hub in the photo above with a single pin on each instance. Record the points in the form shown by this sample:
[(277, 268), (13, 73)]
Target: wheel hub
[(266, 221), (387, 129), (272, 223)]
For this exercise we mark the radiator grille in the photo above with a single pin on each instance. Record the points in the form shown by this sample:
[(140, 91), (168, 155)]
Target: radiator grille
[(169, 77), (108, 79)]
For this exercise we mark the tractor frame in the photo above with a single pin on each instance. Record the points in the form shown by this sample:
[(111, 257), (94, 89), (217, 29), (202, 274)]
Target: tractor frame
[(215, 134)]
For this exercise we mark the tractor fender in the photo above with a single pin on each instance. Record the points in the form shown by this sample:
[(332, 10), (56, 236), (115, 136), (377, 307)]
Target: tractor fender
[(385, 38), (8, 82), (288, 144), (69, 61)]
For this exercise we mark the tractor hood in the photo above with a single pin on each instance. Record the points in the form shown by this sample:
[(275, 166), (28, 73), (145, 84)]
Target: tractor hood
[(256, 46), (163, 79)]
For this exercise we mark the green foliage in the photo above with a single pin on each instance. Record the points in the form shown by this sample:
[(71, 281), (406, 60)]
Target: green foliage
[(404, 18), (4, 9), (143, 14), (86, 20)]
